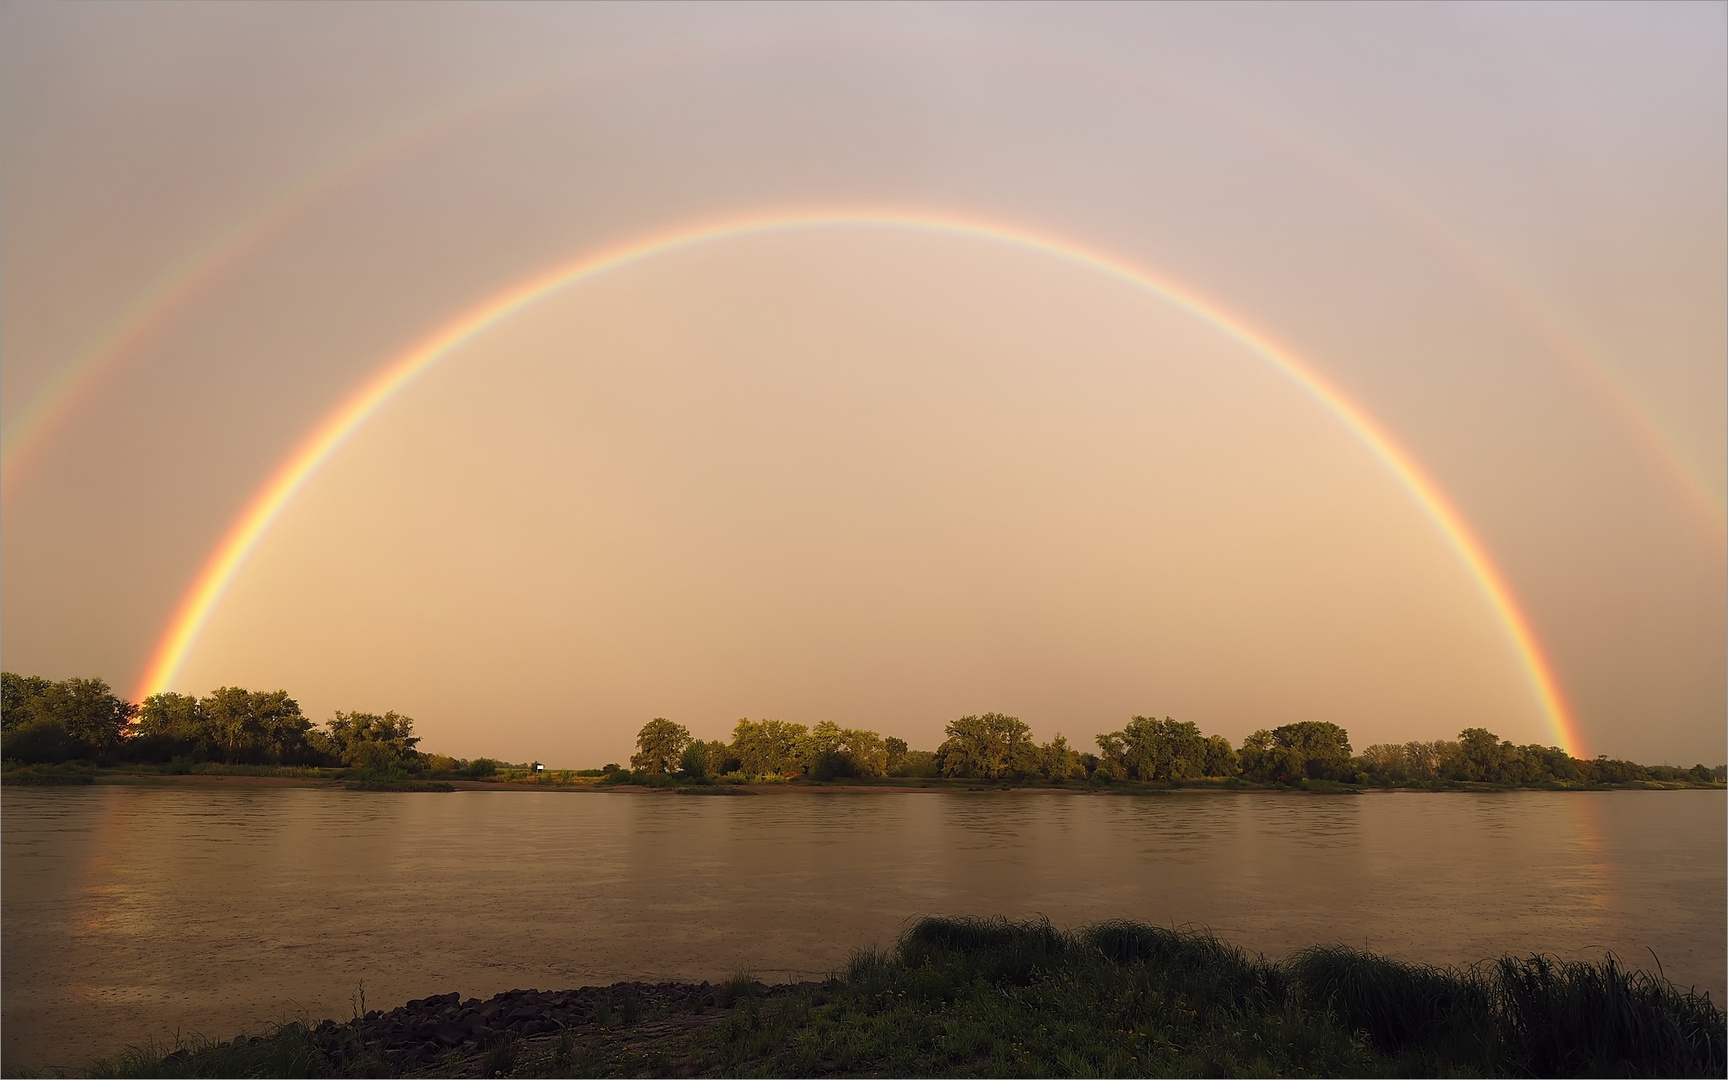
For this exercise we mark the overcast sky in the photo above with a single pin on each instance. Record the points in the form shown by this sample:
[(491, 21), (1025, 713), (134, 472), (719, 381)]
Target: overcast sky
[(879, 476)]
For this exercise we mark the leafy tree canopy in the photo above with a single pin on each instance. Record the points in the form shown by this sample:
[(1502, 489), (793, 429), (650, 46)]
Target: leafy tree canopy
[(990, 746), (369, 741), (43, 721), (660, 747)]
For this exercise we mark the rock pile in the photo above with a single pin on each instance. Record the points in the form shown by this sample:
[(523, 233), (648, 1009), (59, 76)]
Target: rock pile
[(428, 1028)]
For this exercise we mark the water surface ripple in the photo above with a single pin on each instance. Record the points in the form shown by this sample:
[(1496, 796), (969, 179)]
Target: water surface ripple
[(133, 913)]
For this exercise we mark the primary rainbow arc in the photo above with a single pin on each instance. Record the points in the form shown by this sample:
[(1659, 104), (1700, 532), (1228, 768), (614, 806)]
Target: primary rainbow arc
[(268, 502)]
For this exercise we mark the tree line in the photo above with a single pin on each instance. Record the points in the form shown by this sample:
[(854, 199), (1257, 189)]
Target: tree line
[(995, 746), (43, 722)]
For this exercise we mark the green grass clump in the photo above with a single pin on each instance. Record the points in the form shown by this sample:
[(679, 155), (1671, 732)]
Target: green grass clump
[(999, 998), (1535, 1016), (398, 785), (47, 775), (217, 768), (370, 780), (500, 1060), (1594, 1019)]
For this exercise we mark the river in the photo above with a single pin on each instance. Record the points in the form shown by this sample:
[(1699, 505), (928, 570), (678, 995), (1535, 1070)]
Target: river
[(133, 913)]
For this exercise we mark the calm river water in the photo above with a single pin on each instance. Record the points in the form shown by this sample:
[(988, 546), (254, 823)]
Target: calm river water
[(133, 913)]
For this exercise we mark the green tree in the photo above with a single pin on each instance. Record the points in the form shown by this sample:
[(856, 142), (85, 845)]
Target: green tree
[(45, 721), (719, 758), (1221, 759), (990, 746), (1112, 755), (172, 725), (868, 749), (21, 697), (1553, 763), (92, 713), (1606, 770), (256, 726), (833, 751), (28, 730), (1058, 761), (769, 748), (1319, 750), (1256, 756), (693, 762), (917, 763), (660, 747), (1425, 759), (1150, 749), (1310, 749), (833, 765), (894, 751), (1482, 756), (369, 741), (1385, 762)]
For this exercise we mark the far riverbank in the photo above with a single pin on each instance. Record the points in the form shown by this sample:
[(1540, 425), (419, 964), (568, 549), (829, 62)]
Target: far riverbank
[(211, 775)]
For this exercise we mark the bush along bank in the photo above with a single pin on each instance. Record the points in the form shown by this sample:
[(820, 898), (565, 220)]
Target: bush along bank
[(989, 997)]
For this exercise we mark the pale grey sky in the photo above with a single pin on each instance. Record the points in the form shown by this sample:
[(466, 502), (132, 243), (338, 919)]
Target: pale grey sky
[(878, 477)]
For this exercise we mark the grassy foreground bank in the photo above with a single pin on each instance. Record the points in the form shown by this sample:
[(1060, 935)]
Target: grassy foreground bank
[(987, 997)]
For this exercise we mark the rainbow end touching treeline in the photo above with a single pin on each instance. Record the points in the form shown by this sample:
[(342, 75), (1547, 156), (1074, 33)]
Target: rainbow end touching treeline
[(268, 502)]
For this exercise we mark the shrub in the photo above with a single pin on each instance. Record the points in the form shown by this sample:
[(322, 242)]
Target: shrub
[(47, 775)]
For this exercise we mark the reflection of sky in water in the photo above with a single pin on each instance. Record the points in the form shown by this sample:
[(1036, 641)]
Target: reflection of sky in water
[(133, 912)]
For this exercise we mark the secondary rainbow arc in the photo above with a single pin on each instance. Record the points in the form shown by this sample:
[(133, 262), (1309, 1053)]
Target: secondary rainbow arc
[(267, 503), (187, 283), (198, 272)]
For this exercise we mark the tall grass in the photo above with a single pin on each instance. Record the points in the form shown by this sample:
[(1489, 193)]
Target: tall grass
[(1537, 1015), (1594, 1018), (1399, 1006), (1199, 1004)]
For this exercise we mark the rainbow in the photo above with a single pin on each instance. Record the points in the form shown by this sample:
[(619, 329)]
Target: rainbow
[(199, 271), (1561, 336), (196, 273), (268, 502)]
